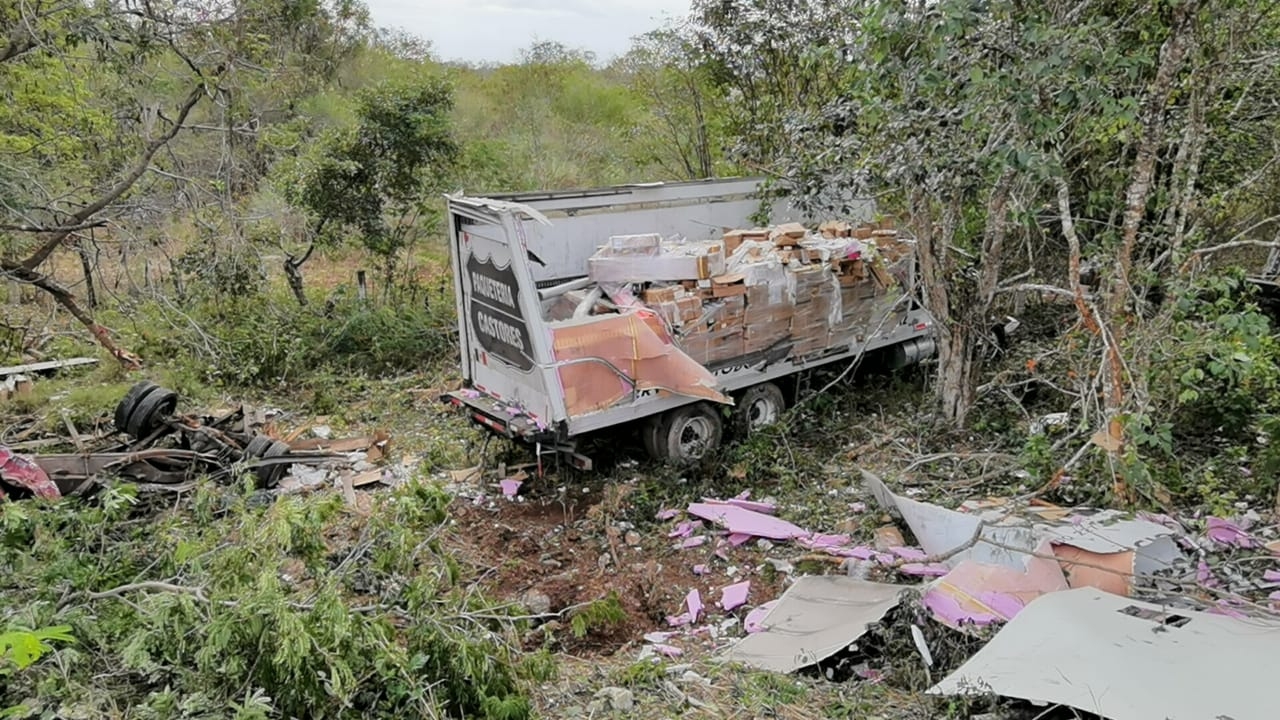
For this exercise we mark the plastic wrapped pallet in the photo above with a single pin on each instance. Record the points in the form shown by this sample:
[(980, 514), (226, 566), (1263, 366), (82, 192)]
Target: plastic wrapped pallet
[(672, 262)]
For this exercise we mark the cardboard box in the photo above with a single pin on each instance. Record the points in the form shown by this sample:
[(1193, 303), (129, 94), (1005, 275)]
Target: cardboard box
[(725, 291), (666, 293)]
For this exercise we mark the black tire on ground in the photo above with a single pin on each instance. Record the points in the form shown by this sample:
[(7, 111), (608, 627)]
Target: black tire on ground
[(687, 434), (150, 412), (257, 446), (125, 407), (269, 475), (759, 406)]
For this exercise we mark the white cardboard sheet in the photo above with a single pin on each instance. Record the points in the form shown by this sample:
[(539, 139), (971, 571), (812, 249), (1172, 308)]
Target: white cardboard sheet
[(816, 617), (1077, 648)]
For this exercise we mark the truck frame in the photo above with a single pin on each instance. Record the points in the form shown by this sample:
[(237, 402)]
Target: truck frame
[(511, 254)]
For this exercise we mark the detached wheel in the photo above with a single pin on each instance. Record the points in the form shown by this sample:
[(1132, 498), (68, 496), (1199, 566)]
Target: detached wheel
[(688, 434), (151, 411), (129, 402), (257, 446), (269, 475), (760, 406)]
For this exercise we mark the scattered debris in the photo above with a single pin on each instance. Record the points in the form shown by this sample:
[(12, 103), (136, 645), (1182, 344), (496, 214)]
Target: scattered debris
[(1125, 660), (159, 448), (18, 471), (814, 619)]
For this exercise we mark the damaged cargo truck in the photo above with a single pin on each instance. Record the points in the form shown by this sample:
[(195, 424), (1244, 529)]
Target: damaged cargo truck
[(673, 307)]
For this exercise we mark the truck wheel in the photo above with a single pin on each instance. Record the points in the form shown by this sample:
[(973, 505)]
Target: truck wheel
[(686, 435), (130, 401), (760, 406), (150, 412)]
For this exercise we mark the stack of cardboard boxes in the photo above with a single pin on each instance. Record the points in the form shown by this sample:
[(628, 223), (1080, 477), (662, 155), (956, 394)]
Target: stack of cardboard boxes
[(761, 288)]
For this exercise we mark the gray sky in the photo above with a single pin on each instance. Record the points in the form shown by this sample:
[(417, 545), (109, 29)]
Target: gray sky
[(479, 30)]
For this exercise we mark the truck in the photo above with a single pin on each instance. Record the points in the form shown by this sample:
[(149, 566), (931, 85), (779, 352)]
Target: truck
[(680, 310)]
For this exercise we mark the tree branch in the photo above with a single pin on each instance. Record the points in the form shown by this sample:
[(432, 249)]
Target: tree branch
[(66, 229), (122, 186)]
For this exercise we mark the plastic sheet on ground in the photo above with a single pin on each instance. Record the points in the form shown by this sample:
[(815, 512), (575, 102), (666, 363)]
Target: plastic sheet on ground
[(634, 343), (1126, 660)]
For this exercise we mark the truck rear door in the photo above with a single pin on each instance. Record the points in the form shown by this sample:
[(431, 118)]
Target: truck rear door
[(505, 346)]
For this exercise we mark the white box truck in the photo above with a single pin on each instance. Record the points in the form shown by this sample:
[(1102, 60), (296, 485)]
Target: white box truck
[(565, 328)]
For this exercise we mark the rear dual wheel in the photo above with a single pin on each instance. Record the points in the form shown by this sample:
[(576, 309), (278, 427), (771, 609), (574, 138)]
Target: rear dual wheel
[(686, 435)]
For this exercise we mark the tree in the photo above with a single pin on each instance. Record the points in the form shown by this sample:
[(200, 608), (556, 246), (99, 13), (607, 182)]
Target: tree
[(106, 87), (683, 131), (376, 177)]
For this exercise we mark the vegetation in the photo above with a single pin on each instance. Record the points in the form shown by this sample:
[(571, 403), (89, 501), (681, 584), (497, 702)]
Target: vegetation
[(1104, 171)]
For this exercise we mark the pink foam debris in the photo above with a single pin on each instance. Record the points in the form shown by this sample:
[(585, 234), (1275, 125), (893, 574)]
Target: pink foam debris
[(1274, 597), (1204, 575), (908, 553), (734, 596), (685, 528), (510, 487), (820, 541), (924, 569), (701, 570), (858, 507), (1271, 576), (1004, 604), (1225, 532), (860, 552), (742, 521), (668, 514), (754, 506), (948, 610), (738, 539), (679, 620), (885, 558), (693, 542), (754, 619), (1226, 607), (667, 650), (693, 601)]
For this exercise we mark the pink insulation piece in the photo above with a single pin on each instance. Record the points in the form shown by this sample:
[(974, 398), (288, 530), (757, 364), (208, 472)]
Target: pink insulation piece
[(510, 487), (693, 542), (739, 520), (734, 596), (694, 602), (1225, 532), (754, 619)]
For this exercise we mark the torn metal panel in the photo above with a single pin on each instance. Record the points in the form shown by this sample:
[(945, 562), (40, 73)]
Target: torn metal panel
[(607, 359), (1126, 660), (814, 619), (20, 471), (980, 594)]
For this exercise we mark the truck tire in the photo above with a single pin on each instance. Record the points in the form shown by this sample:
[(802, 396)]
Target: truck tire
[(130, 401), (150, 412), (687, 434), (760, 406), (269, 475)]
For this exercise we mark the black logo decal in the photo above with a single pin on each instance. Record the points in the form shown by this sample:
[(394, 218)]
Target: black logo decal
[(495, 313)]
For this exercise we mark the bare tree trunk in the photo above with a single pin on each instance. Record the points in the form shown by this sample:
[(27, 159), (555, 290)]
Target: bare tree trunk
[(293, 273), (86, 266)]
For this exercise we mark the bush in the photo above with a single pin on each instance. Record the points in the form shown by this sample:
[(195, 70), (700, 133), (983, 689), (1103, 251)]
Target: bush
[(229, 601)]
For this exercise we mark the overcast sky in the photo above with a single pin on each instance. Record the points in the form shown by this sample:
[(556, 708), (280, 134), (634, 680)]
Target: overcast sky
[(479, 30)]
